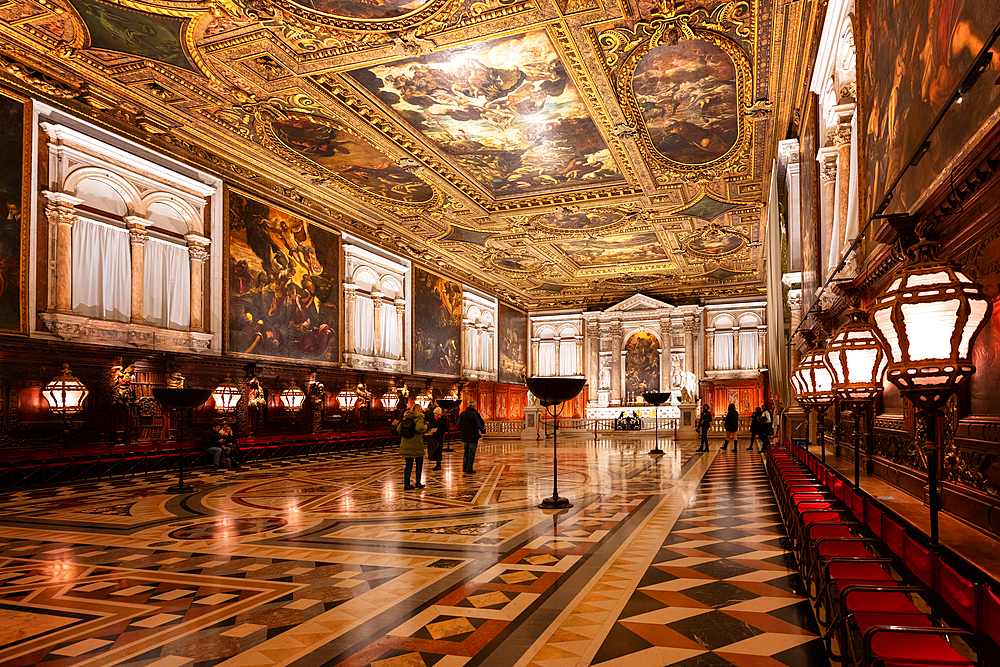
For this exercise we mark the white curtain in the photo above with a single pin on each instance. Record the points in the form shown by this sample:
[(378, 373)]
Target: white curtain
[(473, 338), (547, 358), (724, 350), (364, 325), (166, 285), (102, 271), (390, 332), (748, 350), (567, 357)]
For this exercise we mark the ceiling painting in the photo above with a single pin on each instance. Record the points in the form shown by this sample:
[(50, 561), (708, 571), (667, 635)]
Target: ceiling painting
[(687, 93), (328, 145), (594, 221), (551, 161), (616, 249), (151, 36), (504, 110)]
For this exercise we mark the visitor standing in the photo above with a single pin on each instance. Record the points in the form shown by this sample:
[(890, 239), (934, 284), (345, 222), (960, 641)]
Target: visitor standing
[(704, 423), (756, 429), (471, 427), (435, 443), (411, 429), (731, 422)]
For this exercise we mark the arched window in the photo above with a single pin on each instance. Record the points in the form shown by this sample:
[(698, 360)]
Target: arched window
[(388, 324), (102, 257), (567, 351), (724, 342), (748, 342), (364, 312), (486, 333)]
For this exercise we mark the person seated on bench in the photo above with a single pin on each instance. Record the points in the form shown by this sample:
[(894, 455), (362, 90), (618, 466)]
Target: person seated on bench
[(231, 446), (214, 445)]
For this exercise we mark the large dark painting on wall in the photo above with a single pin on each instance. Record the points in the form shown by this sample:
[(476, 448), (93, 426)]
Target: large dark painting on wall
[(809, 202), (437, 324), (284, 284), (984, 398), (913, 57), (12, 192), (642, 364), (513, 333)]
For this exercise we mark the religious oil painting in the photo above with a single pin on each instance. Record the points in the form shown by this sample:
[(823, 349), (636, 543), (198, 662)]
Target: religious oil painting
[(504, 110), (358, 9), (642, 363), (139, 34), (615, 249), (687, 94), (284, 284), (12, 180), (332, 147), (714, 243), (516, 263), (579, 221), (513, 347), (914, 56), (437, 324)]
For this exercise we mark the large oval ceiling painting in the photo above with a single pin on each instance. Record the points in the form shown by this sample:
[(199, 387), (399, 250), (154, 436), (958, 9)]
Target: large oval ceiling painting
[(331, 147), (687, 94)]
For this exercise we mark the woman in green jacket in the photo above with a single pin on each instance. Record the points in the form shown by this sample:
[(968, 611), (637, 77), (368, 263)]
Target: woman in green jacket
[(412, 447)]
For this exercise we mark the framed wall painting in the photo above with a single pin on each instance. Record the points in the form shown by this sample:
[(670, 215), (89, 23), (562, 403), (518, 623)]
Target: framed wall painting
[(437, 324), (282, 284), (15, 182), (512, 337)]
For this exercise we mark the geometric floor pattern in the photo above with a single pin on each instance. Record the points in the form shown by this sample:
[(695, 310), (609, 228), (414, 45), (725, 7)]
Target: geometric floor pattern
[(672, 560)]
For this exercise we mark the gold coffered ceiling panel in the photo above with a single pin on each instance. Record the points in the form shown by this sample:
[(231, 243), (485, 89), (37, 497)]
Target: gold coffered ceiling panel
[(555, 152)]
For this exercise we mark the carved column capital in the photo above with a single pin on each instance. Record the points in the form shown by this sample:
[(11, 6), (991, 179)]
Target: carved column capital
[(795, 299), (61, 207), (828, 163), (198, 247), (136, 227)]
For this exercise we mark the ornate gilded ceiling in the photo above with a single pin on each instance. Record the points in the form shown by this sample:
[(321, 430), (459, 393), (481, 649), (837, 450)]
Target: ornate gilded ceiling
[(556, 152)]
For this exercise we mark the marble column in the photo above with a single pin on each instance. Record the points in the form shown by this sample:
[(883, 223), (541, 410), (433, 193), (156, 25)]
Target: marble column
[(400, 305), (377, 312), (466, 345), (795, 306), (665, 354), (842, 140), (593, 370), (350, 296), (616, 363), (761, 346), (198, 251), (558, 350), (830, 235), (61, 214), (490, 363), (535, 362), (137, 236), (689, 327), (710, 348)]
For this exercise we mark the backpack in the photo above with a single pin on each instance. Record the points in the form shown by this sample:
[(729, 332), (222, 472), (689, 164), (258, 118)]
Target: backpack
[(407, 428)]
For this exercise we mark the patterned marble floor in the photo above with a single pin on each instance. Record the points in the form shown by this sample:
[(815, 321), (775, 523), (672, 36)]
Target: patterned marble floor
[(673, 560)]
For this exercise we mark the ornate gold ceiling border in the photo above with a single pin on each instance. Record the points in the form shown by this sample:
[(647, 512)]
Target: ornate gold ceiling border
[(622, 49), (269, 139)]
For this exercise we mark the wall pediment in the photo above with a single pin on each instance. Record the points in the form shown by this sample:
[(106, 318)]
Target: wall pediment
[(639, 302)]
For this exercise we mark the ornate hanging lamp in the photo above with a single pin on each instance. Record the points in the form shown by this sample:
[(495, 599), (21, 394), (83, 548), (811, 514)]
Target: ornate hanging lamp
[(226, 396), (929, 317), (65, 394), (292, 397), (812, 382), (857, 359)]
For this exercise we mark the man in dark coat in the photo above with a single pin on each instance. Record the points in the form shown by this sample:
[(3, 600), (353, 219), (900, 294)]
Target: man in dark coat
[(471, 427), (435, 441), (704, 423)]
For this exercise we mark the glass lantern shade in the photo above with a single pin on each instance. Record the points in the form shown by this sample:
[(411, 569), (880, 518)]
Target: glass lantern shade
[(65, 393), (347, 399), (813, 379), (292, 397), (226, 396), (424, 400), (929, 317), (857, 359)]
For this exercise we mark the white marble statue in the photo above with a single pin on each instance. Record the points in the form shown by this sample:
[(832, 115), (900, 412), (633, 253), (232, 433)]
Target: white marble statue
[(689, 388)]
